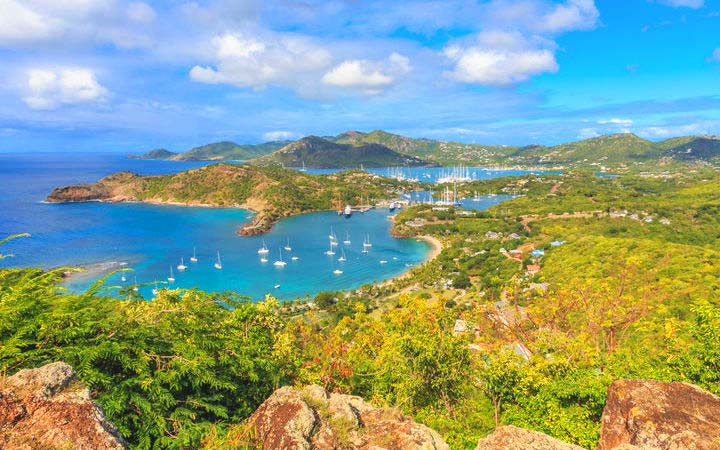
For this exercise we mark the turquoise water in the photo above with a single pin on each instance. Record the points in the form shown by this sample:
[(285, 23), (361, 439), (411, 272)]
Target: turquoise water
[(151, 238)]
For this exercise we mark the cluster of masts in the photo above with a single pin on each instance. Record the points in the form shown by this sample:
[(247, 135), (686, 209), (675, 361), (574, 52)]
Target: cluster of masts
[(458, 174), (264, 250)]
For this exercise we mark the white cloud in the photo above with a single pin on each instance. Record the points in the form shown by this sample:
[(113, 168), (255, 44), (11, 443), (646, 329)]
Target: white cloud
[(51, 23), (694, 4), (500, 58), (278, 135), (587, 133), (140, 12), (283, 60), (664, 132), (572, 15), (715, 57), (49, 89), (371, 76), (517, 41), (616, 121)]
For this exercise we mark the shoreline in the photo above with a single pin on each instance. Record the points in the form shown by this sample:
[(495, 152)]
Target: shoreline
[(436, 247)]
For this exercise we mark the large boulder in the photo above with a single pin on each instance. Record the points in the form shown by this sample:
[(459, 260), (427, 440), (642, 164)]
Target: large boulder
[(313, 419), (513, 438), (651, 414), (48, 408)]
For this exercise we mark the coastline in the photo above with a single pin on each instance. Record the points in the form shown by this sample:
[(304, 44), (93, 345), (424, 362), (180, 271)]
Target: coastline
[(436, 247)]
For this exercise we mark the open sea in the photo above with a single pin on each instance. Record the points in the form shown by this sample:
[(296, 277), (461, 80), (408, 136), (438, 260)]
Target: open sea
[(150, 239)]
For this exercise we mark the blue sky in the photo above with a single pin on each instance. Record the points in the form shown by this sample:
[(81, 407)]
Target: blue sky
[(115, 75)]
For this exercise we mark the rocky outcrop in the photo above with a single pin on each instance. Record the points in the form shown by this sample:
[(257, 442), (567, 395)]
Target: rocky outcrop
[(314, 419), (648, 414), (512, 438), (48, 408)]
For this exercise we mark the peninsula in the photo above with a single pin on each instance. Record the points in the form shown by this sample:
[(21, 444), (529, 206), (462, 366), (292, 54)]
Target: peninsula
[(271, 192)]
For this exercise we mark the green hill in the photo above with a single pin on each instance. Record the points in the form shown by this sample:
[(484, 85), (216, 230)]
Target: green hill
[(272, 192), (159, 153), (314, 151), (706, 148), (229, 150)]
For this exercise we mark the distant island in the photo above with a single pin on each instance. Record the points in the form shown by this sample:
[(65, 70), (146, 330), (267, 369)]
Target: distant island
[(379, 148), (271, 192)]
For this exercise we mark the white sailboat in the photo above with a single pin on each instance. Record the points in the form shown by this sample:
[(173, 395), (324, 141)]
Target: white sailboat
[(182, 265), (263, 250), (122, 278), (367, 242), (330, 252), (155, 289), (383, 261), (135, 287), (263, 259), (218, 263), (193, 258), (294, 258), (342, 255), (280, 262), (287, 246), (171, 278), (337, 272), (332, 234), (347, 238)]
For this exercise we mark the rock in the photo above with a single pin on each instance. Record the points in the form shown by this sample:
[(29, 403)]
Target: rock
[(509, 437), (48, 408), (657, 415), (312, 418)]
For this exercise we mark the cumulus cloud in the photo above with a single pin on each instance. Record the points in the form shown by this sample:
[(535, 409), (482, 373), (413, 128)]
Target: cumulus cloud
[(278, 135), (517, 42), (664, 132), (694, 4), (500, 58), (616, 121), (51, 23), (715, 57), (49, 89), (572, 15), (140, 12), (283, 60), (370, 76)]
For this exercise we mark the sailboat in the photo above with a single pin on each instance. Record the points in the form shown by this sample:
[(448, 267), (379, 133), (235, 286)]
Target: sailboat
[(294, 258), (337, 272), (367, 242), (280, 262), (182, 265), (193, 258), (303, 167), (135, 287), (332, 235), (263, 250), (342, 255), (218, 263), (155, 289), (347, 238), (171, 278), (330, 252), (122, 278), (287, 246)]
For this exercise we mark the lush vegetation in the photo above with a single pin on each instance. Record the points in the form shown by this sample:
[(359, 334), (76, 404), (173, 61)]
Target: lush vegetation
[(224, 150), (315, 151), (271, 191), (527, 315)]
